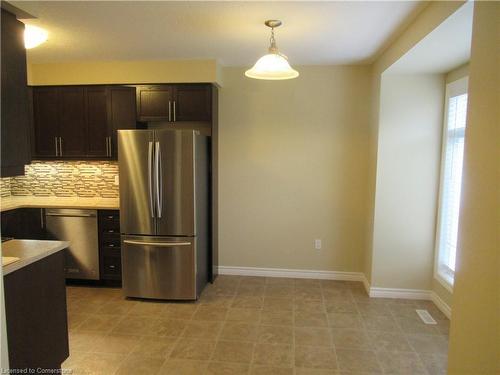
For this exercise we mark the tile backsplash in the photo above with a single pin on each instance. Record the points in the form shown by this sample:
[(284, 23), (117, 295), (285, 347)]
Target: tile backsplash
[(86, 179)]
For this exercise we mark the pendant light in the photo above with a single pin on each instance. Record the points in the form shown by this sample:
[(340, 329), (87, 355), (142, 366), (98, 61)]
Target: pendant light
[(274, 65)]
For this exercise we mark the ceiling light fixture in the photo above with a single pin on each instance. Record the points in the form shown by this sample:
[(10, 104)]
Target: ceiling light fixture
[(34, 36), (274, 65)]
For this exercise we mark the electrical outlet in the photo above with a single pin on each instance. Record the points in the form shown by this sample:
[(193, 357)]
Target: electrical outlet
[(117, 180), (317, 244)]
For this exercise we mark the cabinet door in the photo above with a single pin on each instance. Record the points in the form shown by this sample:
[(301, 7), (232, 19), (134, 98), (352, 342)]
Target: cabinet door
[(121, 113), (154, 103), (72, 122), (15, 150), (193, 103), (46, 121), (98, 129)]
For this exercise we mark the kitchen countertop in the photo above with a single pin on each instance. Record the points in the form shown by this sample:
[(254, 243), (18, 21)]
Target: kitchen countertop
[(29, 251), (13, 202)]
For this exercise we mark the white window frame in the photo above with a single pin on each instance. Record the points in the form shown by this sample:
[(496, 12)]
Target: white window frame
[(442, 272)]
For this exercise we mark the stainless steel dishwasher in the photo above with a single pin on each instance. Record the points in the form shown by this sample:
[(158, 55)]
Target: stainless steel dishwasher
[(79, 227)]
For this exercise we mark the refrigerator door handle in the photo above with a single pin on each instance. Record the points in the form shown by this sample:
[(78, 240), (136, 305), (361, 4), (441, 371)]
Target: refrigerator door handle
[(150, 176), (159, 184), (157, 244)]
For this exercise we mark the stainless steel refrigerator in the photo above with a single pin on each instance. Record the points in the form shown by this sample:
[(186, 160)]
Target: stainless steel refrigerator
[(164, 212)]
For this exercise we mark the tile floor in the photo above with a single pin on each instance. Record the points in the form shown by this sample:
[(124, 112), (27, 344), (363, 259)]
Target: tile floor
[(255, 325)]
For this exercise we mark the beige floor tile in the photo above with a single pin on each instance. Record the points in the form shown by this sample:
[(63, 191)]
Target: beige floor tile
[(273, 355), (239, 331), (435, 364), (254, 280), (82, 306), (315, 371), (341, 306), (308, 293), (371, 309), (210, 313), (435, 344), (203, 329), (193, 349), (82, 341), (182, 311), (116, 344), (286, 281), (412, 325), (216, 300), (233, 351), (307, 336), (250, 290), (147, 308), (183, 367), (134, 325), (247, 302), (397, 363), (227, 368), (275, 334), (403, 310), (388, 341), (279, 291), (277, 317), (168, 327), (140, 365), (75, 320), (315, 357), (99, 364), (380, 323), (345, 320), (350, 339), (102, 323), (310, 319), (311, 306), (269, 370), (271, 303), (150, 346), (117, 307), (74, 360), (243, 315), (358, 360)]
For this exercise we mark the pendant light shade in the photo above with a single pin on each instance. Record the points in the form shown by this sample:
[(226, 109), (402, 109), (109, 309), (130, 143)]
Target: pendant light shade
[(274, 65)]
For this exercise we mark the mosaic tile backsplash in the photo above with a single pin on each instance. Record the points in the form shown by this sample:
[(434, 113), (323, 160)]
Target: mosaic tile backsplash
[(86, 179)]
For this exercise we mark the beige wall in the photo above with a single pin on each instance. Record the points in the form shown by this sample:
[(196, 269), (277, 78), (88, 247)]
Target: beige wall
[(457, 73), (431, 17), (109, 72), (292, 168), (475, 324), (407, 181)]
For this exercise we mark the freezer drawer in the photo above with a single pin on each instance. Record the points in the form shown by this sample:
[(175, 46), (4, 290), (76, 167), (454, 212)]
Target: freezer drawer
[(79, 227), (159, 267)]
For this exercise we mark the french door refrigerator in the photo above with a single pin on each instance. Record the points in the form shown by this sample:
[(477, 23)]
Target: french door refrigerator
[(164, 213)]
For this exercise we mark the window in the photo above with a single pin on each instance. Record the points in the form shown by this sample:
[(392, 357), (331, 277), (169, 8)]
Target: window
[(451, 180)]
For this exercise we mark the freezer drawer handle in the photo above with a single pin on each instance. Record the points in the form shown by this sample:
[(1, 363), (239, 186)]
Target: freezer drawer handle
[(157, 244)]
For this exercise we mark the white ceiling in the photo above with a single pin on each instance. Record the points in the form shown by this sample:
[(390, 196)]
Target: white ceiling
[(442, 50), (231, 32)]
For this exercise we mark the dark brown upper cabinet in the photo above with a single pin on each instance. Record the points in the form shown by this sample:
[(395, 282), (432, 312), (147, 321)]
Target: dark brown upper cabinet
[(15, 117), (80, 122), (174, 103)]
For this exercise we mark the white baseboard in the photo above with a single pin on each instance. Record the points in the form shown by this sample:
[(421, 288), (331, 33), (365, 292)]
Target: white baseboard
[(441, 305), (400, 293), (293, 273)]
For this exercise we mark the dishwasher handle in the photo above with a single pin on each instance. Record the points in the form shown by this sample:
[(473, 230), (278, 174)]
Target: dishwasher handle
[(70, 215)]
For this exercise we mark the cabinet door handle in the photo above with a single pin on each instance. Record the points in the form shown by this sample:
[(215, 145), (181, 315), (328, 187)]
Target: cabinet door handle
[(175, 116), (57, 152), (110, 147), (60, 146), (169, 111), (107, 147)]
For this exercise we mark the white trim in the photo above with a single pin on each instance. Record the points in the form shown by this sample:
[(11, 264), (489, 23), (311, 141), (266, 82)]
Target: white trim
[(441, 305), (293, 273), (400, 293)]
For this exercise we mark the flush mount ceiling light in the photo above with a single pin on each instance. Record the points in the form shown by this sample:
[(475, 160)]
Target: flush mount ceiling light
[(274, 65), (34, 36)]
